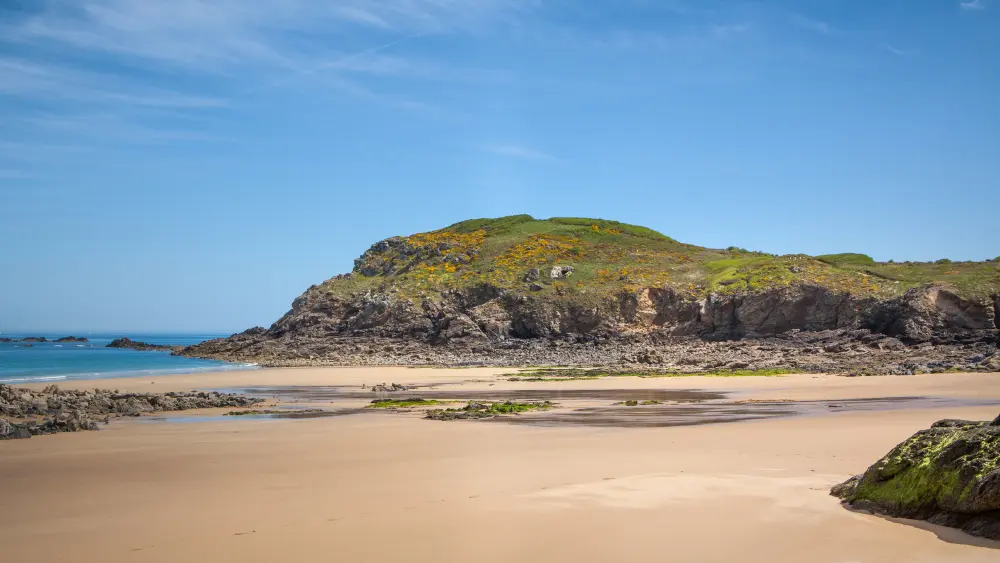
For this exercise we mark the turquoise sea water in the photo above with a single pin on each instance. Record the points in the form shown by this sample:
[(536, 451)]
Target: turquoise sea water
[(56, 362)]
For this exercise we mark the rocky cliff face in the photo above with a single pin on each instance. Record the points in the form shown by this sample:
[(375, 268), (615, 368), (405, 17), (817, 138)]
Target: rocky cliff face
[(325, 327), (424, 297)]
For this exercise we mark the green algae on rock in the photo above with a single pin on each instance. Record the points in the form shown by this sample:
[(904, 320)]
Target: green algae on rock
[(948, 474), (476, 410), (401, 403)]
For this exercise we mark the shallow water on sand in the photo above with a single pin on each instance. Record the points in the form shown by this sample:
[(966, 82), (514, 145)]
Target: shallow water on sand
[(596, 407)]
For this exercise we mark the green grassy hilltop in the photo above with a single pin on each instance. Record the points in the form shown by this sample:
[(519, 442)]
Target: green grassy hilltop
[(608, 257)]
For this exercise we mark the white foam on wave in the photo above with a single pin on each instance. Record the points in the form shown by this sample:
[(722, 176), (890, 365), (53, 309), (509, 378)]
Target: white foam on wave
[(156, 372), (33, 379)]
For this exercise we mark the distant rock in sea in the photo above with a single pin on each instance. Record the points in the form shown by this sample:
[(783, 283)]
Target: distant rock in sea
[(6, 339), (128, 343), (34, 339), (72, 339)]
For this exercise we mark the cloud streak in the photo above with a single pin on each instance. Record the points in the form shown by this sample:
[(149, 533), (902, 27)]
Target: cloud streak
[(894, 50), (212, 35), (35, 80), (80, 65), (972, 5), (6, 174), (522, 152)]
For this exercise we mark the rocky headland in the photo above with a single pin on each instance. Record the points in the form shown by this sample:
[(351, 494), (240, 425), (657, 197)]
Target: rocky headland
[(569, 291), (25, 413), (947, 475)]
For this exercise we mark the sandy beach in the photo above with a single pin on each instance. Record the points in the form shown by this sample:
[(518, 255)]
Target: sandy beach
[(378, 486)]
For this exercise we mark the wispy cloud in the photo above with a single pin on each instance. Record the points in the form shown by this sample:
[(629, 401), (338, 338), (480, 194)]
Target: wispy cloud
[(129, 69), (972, 5), (40, 80), (729, 30), (6, 174), (894, 50), (218, 34), (808, 23), (518, 151), (118, 127)]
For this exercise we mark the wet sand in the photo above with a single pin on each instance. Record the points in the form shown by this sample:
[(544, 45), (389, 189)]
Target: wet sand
[(384, 486)]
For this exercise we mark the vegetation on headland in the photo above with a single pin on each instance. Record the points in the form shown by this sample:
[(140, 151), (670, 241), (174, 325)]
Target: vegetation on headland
[(609, 257), (570, 374)]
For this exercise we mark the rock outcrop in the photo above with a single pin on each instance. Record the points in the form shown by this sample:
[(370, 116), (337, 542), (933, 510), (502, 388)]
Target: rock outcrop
[(72, 339), (948, 475), (933, 314), (24, 413)]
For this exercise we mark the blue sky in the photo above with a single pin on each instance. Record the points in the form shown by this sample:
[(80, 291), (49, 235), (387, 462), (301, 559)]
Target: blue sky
[(196, 164)]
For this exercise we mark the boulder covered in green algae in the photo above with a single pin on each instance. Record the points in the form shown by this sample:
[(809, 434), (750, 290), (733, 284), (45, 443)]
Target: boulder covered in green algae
[(948, 474)]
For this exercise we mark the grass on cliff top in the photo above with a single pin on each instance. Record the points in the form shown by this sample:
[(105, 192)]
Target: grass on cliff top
[(610, 258), (572, 374), (526, 224)]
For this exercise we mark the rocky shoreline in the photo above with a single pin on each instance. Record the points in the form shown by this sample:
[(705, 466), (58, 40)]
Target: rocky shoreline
[(25, 413), (850, 352)]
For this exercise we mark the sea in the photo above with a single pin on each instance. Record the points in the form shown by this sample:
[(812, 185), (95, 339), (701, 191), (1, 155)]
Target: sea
[(55, 362)]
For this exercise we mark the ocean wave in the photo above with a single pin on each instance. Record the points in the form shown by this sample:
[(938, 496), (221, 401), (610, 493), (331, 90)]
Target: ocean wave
[(35, 379), (152, 372)]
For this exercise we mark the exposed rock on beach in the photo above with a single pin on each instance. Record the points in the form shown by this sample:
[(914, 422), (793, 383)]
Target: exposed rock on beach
[(948, 475), (25, 413)]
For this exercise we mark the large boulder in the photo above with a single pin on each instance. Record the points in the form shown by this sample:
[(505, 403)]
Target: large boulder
[(10, 431), (948, 474)]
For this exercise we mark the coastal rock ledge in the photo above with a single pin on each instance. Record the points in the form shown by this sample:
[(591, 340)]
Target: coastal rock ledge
[(25, 413), (948, 475)]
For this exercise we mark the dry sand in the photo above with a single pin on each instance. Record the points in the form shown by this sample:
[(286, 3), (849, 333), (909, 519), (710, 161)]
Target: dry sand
[(383, 487)]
